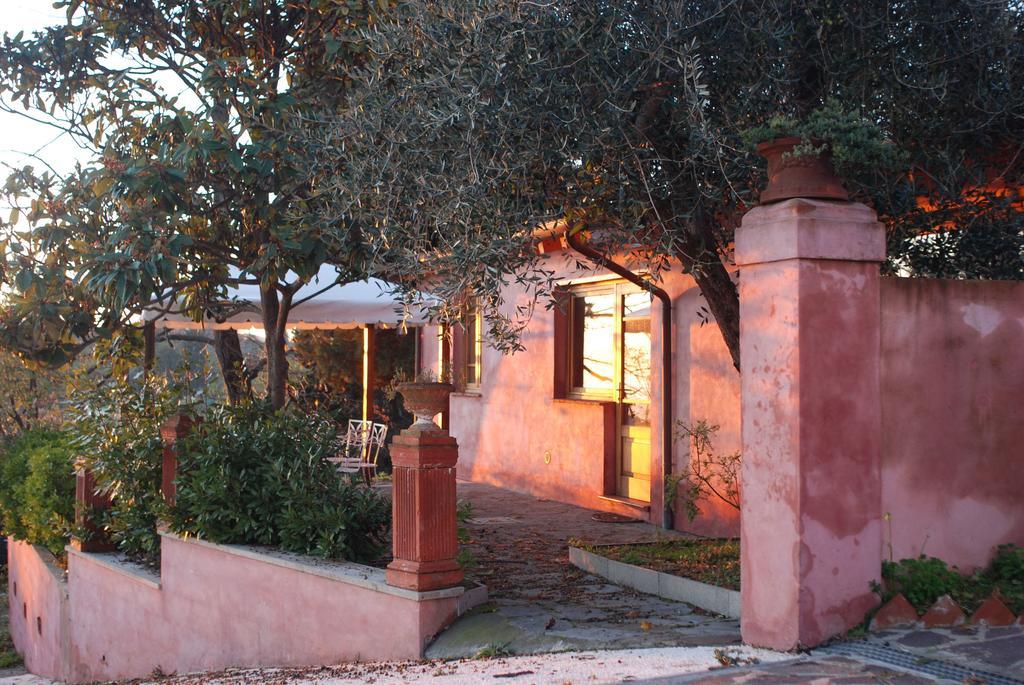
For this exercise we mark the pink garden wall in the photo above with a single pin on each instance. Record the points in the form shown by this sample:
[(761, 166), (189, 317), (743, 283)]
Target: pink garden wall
[(38, 596), (952, 418), (209, 608)]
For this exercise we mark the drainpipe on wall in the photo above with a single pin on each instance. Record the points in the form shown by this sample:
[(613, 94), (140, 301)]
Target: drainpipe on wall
[(575, 243)]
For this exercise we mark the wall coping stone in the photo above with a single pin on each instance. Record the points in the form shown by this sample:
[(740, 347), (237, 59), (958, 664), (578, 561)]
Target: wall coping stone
[(49, 561), (342, 571), (117, 563)]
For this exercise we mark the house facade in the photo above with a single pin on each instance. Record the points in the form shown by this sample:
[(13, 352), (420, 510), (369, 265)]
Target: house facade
[(577, 415)]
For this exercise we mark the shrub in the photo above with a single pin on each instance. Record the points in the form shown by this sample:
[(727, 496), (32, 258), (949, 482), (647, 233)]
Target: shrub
[(925, 579), (707, 476), (248, 475), (922, 580), (1006, 573), (37, 489), (116, 432)]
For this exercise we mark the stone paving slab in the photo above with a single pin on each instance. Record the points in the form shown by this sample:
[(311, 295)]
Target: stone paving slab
[(997, 650), (541, 603)]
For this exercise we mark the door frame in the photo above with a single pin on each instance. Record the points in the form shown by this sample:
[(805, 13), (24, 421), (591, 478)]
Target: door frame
[(615, 395)]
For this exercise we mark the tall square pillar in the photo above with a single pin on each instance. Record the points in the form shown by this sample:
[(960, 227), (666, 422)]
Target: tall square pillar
[(811, 475), (424, 535)]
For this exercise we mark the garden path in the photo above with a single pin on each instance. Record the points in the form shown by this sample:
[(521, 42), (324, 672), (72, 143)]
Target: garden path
[(539, 602)]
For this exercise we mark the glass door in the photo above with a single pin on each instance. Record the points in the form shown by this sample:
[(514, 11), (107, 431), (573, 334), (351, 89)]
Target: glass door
[(634, 405)]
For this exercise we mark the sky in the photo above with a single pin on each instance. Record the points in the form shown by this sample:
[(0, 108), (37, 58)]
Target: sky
[(19, 137)]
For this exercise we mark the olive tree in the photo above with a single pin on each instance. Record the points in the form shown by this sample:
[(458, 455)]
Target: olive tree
[(476, 122)]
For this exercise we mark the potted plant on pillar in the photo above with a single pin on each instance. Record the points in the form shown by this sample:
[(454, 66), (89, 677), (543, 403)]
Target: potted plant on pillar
[(804, 156), (425, 396)]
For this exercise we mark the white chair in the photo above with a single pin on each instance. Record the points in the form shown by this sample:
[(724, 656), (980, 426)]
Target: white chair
[(360, 448)]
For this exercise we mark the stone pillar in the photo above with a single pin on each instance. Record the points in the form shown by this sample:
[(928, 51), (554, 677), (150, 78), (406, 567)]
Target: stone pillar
[(423, 506), (89, 502), (173, 429), (810, 354)]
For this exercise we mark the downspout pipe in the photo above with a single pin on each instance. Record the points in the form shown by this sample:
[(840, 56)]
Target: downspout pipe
[(573, 240)]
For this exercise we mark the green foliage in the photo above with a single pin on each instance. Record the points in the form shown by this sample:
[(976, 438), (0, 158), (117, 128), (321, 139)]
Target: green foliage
[(982, 238), (9, 656), (1007, 565), (116, 433), (708, 475), (925, 579), (855, 144), (30, 393), (248, 475), (493, 650), (1006, 574), (188, 184), (463, 513), (480, 121), (37, 489), (921, 581)]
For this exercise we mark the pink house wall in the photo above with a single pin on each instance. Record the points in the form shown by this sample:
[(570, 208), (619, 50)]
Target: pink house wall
[(517, 434), (953, 418), (213, 607)]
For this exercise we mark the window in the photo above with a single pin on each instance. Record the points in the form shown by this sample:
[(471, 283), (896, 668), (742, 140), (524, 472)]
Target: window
[(472, 345), (592, 342), (606, 330)]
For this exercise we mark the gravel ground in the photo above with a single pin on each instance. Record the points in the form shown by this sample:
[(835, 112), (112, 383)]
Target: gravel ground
[(576, 668)]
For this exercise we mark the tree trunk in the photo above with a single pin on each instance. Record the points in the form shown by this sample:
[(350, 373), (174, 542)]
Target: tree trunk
[(228, 349), (275, 319), (699, 255)]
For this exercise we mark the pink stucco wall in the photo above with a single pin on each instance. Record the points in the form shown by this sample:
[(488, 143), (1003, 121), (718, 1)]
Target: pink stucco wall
[(953, 418), (514, 432), (213, 607), (38, 596)]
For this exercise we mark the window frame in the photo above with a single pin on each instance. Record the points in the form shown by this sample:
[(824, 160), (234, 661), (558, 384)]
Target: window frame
[(472, 338), (618, 288)]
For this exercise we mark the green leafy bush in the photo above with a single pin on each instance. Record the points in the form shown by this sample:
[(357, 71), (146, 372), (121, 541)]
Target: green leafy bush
[(116, 432), (248, 475), (37, 488), (1005, 573), (925, 579), (921, 581), (853, 141)]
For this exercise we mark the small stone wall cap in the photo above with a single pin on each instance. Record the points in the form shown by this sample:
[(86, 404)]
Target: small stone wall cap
[(944, 613), (993, 612), (896, 612)]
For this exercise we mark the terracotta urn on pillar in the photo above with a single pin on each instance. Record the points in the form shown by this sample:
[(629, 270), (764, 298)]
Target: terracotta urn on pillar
[(790, 176), (424, 538), (425, 401)]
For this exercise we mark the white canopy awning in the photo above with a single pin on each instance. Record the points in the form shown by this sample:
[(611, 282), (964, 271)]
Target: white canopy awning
[(352, 305)]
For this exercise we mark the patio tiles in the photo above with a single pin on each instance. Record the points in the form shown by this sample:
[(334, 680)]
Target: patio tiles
[(807, 671), (997, 650), (541, 603)]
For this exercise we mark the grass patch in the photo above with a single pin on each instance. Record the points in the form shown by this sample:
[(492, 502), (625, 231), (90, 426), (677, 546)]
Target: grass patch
[(711, 561)]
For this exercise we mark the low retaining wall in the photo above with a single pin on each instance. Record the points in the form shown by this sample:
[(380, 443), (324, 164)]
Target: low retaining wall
[(213, 607), (37, 592), (708, 597)]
